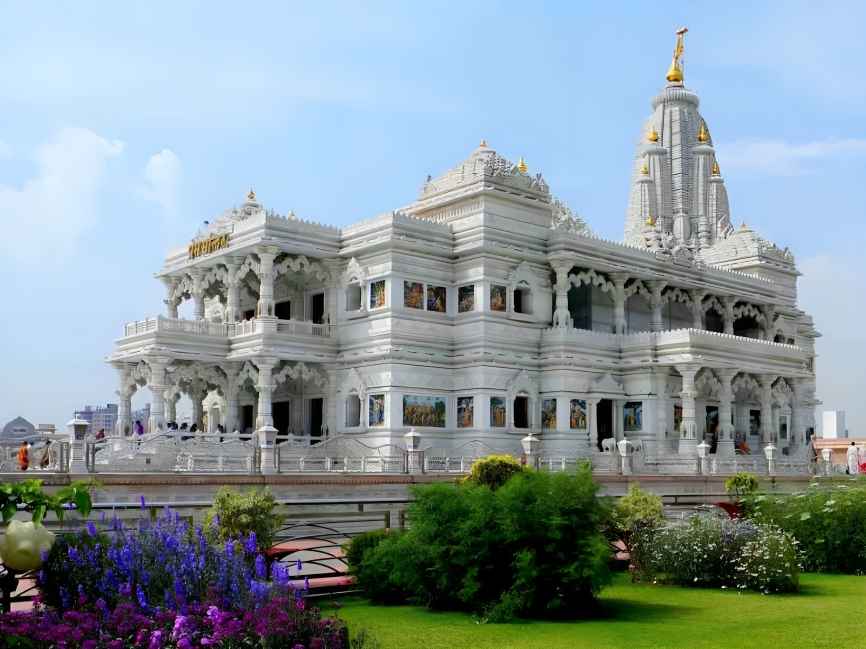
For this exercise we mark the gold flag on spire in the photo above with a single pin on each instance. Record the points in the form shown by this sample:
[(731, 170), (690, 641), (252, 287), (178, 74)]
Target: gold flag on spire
[(675, 72)]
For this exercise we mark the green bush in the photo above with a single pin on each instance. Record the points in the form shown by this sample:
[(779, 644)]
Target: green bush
[(636, 507), (360, 544), (828, 522), (234, 515), (532, 548), (494, 470), (717, 552), (741, 485)]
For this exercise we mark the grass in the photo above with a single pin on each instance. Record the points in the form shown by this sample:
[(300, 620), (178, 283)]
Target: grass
[(828, 612)]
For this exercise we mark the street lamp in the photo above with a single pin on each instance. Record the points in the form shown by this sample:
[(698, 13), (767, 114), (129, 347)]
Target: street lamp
[(77, 428), (414, 456), (531, 445), (703, 450), (770, 454)]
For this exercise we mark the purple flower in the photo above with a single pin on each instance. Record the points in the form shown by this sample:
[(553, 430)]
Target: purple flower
[(250, 545), (300, 566), (143, 503), (261, 567), (155, 640), (91, 528)]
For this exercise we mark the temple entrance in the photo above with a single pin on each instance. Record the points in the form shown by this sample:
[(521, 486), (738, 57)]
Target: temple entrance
[(604, 420), (247, 420), (316, 417), (711, 429), (317, 308), (281, 411)]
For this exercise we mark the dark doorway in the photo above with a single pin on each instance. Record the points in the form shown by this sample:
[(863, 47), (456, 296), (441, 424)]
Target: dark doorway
[(317, 308), (316, 417), (249, 314), (714, 321), (282, 412), (604, 414), (712, 427), (247, 422), (521, 412), (283, 310), (748, 327), (580, 306)]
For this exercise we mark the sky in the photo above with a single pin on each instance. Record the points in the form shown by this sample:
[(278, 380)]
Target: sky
[(125, 125)]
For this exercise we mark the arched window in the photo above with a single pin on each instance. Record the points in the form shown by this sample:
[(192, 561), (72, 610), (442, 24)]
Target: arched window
[(523, 298), (353, 411), (353, 297)]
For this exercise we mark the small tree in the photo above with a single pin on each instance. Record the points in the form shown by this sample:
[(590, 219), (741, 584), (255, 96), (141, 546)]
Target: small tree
[(234, 515), (741, 485), (637, 507)]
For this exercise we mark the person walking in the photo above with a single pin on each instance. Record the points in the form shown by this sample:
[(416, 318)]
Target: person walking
[(853, 460), (24, 456), (45, 459)]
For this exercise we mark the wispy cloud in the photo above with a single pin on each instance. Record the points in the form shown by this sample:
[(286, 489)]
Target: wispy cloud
[(162, 177), (5, 151), (782, 158), (50, 211)]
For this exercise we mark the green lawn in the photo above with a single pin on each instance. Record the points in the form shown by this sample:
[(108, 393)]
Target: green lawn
[(828, 612)]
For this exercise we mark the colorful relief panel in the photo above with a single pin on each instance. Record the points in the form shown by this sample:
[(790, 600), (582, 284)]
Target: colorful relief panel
[(498, 297), (497, 412), (436, 299), (465, 412), (413, 295), (577, 414), (466, 299), (548, 413), (632, 416), (377, 294), (376, 408), (754, 422), (424, 411)]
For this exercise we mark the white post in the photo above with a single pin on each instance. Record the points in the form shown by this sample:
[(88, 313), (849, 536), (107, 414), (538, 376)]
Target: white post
[(265, 308), (619, 280), (688, 436), (725, 446), (561, 316), (198, 292), (265, 388), (657, 323), (157, 387)]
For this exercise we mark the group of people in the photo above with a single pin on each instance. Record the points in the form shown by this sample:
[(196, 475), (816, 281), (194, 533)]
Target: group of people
[(46, 459)]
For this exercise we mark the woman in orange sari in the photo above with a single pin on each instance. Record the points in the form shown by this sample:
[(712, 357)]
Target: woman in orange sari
[(23, 456)]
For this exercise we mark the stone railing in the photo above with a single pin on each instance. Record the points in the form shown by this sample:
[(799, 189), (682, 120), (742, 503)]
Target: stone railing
[(224, 329)]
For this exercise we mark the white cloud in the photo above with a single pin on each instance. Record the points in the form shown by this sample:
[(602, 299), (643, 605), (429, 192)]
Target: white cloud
[(50, 211), (5, 151), (781, 158), (162, 176), (830, 291)]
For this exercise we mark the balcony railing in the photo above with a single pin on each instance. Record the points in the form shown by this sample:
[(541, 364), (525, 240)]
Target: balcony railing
[(224, 329)]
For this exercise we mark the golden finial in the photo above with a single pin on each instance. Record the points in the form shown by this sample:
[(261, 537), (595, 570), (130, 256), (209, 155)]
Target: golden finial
[(521, 166), (703, 135), (251, 197), (652, 136), (644, 170), (651, 222), (483, 144), (675, 72), (716, 171), (743, 226)]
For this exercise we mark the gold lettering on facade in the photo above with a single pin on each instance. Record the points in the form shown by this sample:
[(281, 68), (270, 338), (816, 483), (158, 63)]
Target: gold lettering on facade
[(207, 246)]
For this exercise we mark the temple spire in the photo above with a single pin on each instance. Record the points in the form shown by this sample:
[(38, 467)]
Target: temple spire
[(675, 72)]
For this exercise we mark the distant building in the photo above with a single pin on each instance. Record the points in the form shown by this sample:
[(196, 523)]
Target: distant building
[(16, 430), (99, 417), (834, 424)]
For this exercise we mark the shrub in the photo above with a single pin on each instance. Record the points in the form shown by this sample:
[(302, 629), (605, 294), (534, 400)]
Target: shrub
[(712, 551), (532, 548), (637, 507), (235, 515), (741, 485), (828, 522), (494, 470), (360, 545)]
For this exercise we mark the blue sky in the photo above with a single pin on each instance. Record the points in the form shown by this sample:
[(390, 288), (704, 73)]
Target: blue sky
[(127, 124)]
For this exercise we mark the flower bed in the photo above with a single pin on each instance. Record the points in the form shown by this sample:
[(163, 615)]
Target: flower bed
[(166, 584), (717, 552)]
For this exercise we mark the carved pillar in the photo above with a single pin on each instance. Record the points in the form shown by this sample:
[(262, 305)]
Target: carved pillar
[(767, 433), (265, 308), (656, 288), (561, 316), (618, 424), (725, 446), (688, 435), (619, 280), (157, 385), (592, 417), (769, 319), (124, 404), (198, 292), (197, 393), (728, 302), (233, 290), (698, 308), (171, 302), (265, 387), (663, 405), (230, 420), (171, 398)]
